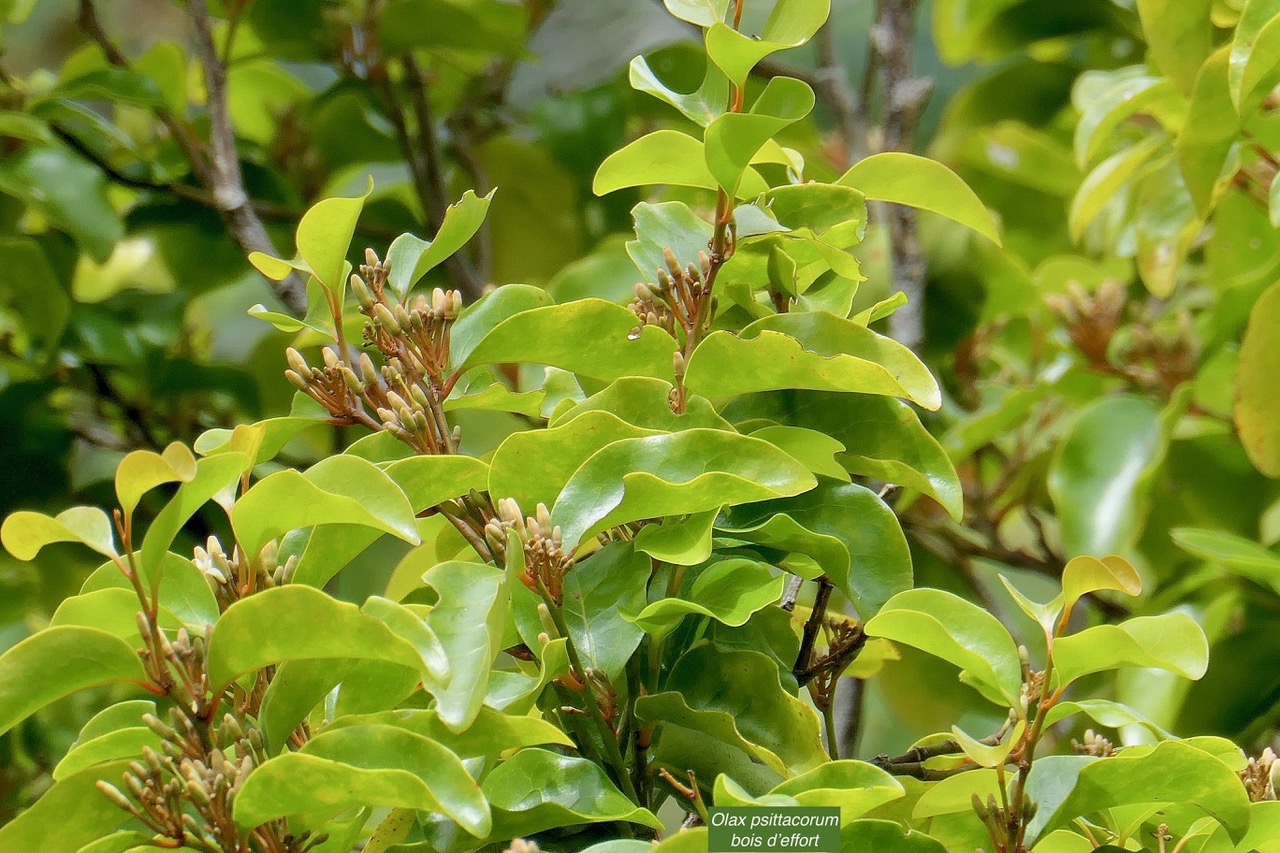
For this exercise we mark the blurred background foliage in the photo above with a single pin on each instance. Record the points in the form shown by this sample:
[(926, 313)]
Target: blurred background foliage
[(1091, 364)]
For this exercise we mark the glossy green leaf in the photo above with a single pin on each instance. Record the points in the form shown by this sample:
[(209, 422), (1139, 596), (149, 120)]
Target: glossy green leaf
[(736, 698), (1244, 556), (816, 351), (885, 836), (143, 470), (413, 629), (597, 593), (1172, 773), (336, 490), (728, 591), (1111, 106), (533, 467), (25, 533), (1105, 180), (538, 337), (68, 816), (1104, 712), (1257, 410), (957, 631), (666, 225), (817, 450), (1255, 49), (1100, 475), (412, 258), (57, 662), (481, 317), (536, 790), (69, 191), (690, 471), (298, 623), (790, 24), (468, 618), (681, 542), (324, 235), (923, 183), (702, 106), (703, 13), (1212, 128), (855, 787), (111, 610), (1083, 575), (364, 765), (122, 744), (846, 528), (733, 139), (183, 590), (664, 157), (645, 403), (1179, 36), (430, 480), (490, 733), (1173, 641), (1166, 227)]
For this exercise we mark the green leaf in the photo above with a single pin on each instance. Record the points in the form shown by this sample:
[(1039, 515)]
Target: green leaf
[(1166, 227), (1106, 713), (410, 627), (923, 183), (959, 632), (1172, 773), (1212, 127), (1179, 36), (491, 733), (664, 157), (790, 24), (1083, 575), (1255, 49), (68, 816), (1257, 410), (1241, 555), (816, 450), (183, 590), (121, 744), (883, 438), (537, 337), (851, 533), (598, 592), (324, 235), (463, 26), (412, 258), (537, 790), (666, 225), (33, 293), (297, 622), (1104, 181), (336, 490), (693, 470), (728, 591), (534, 466), (1173, 641), (1114, 103), (364, 765), (735, 697), (111, 610), (431, 480), (885, 836), (815, 351), (701, 107), (855, 787), (68, 190), (681, 542), (469, 618), (645, 403), (57, 662), (1100, 475), (25, 533), (703, 13), (143, 470), (733, 139), (482, 316)]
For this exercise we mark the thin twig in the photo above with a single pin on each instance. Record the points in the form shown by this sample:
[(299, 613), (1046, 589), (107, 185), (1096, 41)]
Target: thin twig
[(225, 180)]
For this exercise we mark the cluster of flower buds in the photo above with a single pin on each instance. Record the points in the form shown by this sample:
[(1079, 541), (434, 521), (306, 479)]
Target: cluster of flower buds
[(1172, 350), (681, 297), (1093, 744), (232, 578), (520, 845), (1259, 776), (545, 561), (1092, 320), (845, 639), (999, 819), (186, 793)]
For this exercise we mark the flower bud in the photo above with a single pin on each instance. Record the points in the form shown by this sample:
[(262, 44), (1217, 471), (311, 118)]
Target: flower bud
[(297, 362)]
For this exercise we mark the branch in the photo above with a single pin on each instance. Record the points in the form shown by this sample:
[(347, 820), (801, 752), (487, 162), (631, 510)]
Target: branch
[(904, 98), (802, 670), (225, 180)]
